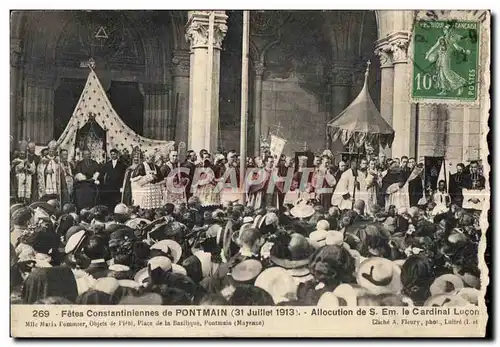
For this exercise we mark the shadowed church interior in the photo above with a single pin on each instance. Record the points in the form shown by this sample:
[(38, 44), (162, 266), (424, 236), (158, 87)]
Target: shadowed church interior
[(305, 68)]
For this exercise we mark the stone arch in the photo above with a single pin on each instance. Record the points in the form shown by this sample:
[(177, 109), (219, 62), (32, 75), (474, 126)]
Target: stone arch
[(43, 66)]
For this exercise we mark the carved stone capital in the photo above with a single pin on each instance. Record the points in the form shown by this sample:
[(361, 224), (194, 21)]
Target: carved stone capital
[(259, 68), (197, 28), (181, 63), (400, 50), (393, 48), (341, 75), (15, 52), (384, 52)]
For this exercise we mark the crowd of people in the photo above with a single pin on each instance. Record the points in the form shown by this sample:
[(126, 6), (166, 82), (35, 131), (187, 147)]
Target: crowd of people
[(143, 229)]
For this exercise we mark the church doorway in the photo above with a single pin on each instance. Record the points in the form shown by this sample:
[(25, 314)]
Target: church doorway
[(125, 97)]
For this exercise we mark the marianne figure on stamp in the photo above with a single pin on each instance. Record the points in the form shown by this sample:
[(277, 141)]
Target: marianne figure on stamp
[(441, 53)]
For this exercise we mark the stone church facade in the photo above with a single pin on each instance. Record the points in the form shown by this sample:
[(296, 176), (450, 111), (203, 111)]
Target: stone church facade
[(305, 68)]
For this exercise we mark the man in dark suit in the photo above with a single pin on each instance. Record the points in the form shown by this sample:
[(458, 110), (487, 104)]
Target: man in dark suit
[(111, 180), (457, 183), (88, 166), (191, 165)]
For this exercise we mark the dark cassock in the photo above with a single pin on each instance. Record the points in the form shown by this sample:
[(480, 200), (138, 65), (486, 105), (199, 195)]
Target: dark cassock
[(456, 185), (126, 190), (281, 185), (84, 192), (192, 168), (111, 177), (415, 188), (33, 158), (89, 167)]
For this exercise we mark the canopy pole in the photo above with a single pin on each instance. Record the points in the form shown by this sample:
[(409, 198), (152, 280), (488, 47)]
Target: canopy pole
[(244, 101), (355, 181), (210, 84)]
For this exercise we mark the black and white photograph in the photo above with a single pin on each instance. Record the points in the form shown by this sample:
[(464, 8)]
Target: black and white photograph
[(306, 162)]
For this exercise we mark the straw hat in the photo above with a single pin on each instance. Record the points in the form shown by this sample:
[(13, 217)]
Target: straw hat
[(48, 208), (107, 285), (328, 299), (134, 223), (447, 300), (302, 211), (441, 285), (299, 250), (278, 283), (129, 284), (158, 262), (246, 271), (379, 276), (469, 279), (169, 247), (470, 294), (75, 241)]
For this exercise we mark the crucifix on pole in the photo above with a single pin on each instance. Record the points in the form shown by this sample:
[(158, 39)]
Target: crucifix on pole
[(90, 63)]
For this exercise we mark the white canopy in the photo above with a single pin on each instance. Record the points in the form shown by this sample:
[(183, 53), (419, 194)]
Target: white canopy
[(94, 103)]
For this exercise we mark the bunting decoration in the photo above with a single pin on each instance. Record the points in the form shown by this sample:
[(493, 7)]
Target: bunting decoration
[(94, 105)]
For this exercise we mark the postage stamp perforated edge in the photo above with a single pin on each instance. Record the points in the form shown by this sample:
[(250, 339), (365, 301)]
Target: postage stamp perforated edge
[(483, 60)]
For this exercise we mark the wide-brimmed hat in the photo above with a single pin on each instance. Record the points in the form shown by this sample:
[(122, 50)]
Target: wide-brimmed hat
[(136, 222), (246, 271), (158, 262), (470, 294), (119, 271), (44, 206), (279, 283), (21, 215), (446, 284), (318, 238), (15, 207), (349, 293), (468, 278), (447, 300), (298, 249), (107, 285), (129, 284), (328, 299), (379, 276), (302, 211), (75, 241), (169, 247)]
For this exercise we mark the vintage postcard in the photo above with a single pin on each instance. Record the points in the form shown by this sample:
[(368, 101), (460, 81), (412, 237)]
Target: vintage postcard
[(249, 173)]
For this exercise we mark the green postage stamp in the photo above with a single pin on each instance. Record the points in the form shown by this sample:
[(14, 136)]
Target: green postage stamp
[(445, 60)]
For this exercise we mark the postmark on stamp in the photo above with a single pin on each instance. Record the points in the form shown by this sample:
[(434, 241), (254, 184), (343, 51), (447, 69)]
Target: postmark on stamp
[(446, 60)]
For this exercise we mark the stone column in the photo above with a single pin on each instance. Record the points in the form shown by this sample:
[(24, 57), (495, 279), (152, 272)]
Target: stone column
[(258, 69), (203, 131), (340, 82), (384, 51), (16, 85), (403, 111), (180, 95)]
